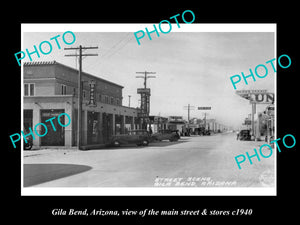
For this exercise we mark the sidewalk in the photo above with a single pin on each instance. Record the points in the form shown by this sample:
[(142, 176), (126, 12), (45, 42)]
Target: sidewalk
[(31, 153)]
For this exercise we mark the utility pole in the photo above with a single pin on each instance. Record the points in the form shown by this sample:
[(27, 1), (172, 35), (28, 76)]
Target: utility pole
[(205, 121), (189, 108), (80, 87), (129, 96), (145, 98), (145, 77)]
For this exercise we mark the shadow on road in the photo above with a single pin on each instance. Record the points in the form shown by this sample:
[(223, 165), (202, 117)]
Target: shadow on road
[(166, 143), (39, 173), (151, 144)]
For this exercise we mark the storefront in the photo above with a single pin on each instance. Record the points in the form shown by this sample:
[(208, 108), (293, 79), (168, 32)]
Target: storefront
[(54, 137), (54, 90)]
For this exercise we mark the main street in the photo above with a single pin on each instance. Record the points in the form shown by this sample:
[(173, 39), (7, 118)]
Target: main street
[(195, 158)]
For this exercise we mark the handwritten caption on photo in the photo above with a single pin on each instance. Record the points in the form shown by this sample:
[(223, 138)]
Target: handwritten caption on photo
[(191, 182)]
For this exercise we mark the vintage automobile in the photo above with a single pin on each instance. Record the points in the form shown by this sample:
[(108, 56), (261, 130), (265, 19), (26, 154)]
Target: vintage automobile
[(171, 135), (244, 135), (138, 137)]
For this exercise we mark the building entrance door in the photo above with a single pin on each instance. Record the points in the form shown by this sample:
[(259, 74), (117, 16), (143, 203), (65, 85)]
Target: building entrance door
[(27, 122), (93, 129), (107, 126), (52, 138)]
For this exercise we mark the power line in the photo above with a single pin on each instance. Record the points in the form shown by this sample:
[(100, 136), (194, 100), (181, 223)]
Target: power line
[(119, 48), (110, 52), (115, 45)]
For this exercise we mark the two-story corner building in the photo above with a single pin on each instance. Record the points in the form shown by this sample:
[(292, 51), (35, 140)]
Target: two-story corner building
[(51, 88)]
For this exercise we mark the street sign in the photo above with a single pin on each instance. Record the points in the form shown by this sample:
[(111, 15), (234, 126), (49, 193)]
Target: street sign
[(257, 96), (247, 93), (241, 92), (204, 108), (143, 90), (265, 98)]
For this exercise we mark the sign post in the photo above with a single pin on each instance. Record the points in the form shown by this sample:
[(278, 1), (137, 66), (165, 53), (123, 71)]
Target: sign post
[(256, 97), (145, 105), (204, 108)]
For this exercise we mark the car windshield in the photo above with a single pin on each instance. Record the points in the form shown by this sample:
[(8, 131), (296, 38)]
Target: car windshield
[(164, 131), (137, 132), (245, 132)]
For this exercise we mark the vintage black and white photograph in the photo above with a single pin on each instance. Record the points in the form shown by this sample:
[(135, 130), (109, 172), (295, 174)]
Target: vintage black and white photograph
[(112, 109)]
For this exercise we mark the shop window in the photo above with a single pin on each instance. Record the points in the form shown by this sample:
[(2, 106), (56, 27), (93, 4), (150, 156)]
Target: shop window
[(63, 89)]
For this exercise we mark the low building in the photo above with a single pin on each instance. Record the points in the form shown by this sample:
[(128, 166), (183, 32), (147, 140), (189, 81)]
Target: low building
[(51, 88), (158, 123)]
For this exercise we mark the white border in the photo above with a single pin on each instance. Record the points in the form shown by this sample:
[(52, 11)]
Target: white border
[(82, 27), (155, 191)]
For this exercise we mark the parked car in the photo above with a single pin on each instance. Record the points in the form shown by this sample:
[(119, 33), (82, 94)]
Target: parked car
[(138, 137), (171, 135), (244, 135), (28, 144)]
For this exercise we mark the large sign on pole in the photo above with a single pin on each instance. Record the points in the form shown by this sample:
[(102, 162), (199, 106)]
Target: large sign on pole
[(266, 98), (145, 102), (92, 101), (257, 96)]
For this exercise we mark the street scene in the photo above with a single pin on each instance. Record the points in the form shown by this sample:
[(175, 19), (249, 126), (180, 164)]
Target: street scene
[(106, 112), (194, 159)]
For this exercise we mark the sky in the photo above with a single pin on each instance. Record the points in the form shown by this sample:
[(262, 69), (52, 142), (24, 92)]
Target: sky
[(191, 68)]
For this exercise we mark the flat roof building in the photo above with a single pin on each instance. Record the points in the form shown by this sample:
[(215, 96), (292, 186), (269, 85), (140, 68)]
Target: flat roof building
[(51, 88)]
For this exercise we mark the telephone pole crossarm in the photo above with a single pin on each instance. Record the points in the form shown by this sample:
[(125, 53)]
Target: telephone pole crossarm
[(145, 77)]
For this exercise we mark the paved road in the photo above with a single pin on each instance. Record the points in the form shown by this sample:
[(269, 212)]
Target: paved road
[(202, 161)]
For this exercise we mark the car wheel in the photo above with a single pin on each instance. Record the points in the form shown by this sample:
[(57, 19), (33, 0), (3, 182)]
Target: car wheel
[(27, 147), (145, 143), (116, 143)]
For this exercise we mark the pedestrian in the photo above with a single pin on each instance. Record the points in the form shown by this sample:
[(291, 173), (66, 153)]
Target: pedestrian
[(237, 135)]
